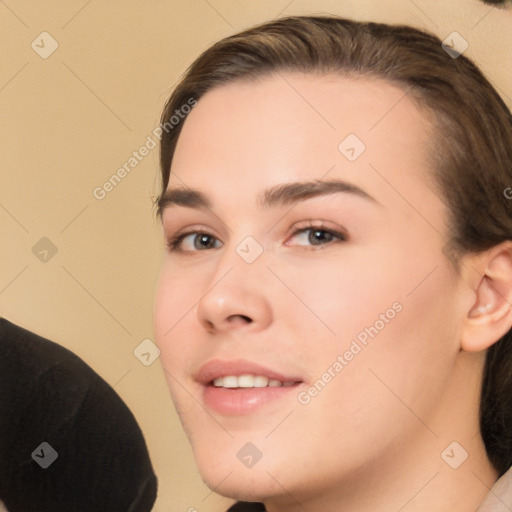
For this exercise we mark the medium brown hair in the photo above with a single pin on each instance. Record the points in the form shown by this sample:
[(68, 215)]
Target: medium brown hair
[(471, 144)]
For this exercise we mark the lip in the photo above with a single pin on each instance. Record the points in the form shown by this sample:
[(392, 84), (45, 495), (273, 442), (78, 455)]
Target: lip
[(241, 401)]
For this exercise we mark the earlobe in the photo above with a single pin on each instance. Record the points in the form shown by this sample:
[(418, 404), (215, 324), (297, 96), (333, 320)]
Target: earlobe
[(490, 316)]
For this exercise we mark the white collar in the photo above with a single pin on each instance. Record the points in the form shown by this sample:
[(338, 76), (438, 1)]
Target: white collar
[(499, 498)]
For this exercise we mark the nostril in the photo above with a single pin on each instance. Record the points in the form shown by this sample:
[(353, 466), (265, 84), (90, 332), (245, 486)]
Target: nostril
[(209, 326), (242, 318)]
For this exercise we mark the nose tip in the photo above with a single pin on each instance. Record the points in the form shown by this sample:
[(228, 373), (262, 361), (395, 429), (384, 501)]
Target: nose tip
[(238, 301)]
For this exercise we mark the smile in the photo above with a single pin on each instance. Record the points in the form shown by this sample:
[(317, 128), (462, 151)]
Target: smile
[(241, 387), (250, 381)]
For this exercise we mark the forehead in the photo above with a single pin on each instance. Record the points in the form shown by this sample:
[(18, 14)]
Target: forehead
[(292, 126)]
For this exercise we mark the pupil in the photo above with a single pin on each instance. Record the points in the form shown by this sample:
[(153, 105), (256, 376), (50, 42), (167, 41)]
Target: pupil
[(318, 236), (204, 240)]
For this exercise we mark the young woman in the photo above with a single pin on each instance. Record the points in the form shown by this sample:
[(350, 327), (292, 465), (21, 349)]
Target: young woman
[(334, 308)]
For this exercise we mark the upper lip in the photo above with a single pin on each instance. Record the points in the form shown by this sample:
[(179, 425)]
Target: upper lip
[(218, 368)]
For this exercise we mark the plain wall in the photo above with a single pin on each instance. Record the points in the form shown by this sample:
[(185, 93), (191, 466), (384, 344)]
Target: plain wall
[(72, 120)]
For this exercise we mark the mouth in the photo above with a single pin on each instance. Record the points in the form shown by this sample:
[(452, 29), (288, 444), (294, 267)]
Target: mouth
[(249, 381), (241, 387)]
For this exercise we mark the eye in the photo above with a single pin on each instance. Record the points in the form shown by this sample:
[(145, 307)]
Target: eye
[(316, 235), (193, 242)]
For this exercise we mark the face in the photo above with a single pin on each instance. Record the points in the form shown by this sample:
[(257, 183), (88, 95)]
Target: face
[(305, 261)]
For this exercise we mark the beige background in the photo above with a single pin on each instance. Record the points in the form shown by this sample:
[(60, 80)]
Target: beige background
[(71, 120)]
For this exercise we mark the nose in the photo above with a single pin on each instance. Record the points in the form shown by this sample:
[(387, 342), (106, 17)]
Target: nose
[(236, 299)]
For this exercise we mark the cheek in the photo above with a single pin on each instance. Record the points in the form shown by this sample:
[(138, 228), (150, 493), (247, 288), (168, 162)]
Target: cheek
[(394, 331), (173, 307), (172, 311), (406, 357), (385, 385), (335, 299)]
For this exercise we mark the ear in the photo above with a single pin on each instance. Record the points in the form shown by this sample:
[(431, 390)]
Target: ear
[(490, 316)]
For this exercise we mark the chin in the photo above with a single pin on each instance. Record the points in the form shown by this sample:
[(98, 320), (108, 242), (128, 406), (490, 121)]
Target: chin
[(223, 472), (241, 487)]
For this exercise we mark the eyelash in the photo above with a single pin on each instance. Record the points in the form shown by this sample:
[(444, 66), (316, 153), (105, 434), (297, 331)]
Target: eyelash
[(174, 243)]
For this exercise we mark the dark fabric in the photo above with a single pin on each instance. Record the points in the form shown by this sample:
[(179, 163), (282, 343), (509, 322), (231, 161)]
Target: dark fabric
[(243, 506), (48, 394)]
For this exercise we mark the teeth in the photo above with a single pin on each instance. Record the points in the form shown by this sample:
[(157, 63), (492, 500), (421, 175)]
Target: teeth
[(260, 381), (249, 381), (230, 382), (245, 381)]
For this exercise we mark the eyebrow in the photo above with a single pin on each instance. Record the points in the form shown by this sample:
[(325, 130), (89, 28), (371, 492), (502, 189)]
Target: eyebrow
[(279, 195)]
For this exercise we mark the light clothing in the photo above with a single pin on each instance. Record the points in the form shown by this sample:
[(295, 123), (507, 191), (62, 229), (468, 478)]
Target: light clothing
[(499, 498)]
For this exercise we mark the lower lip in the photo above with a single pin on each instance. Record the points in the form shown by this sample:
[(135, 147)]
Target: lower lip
[(241, 401)]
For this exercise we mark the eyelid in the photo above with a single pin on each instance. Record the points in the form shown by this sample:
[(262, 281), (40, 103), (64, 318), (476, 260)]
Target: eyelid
[(320, 225), (174, 241), (341, 234)]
